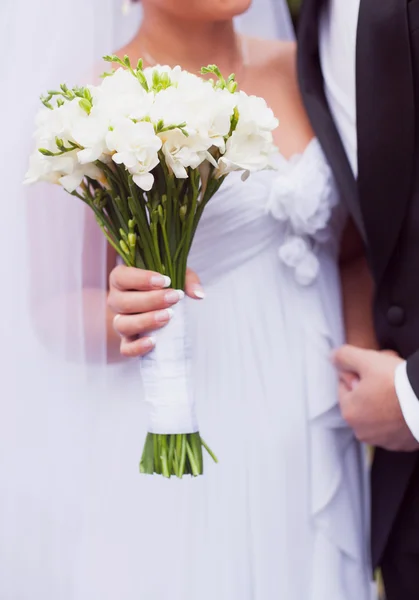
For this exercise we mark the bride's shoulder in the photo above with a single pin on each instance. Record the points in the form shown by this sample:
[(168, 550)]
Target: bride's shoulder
[(272, 54)]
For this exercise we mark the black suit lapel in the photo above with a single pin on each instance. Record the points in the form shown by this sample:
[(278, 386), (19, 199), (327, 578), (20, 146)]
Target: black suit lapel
[(312, 89), (385, 117)]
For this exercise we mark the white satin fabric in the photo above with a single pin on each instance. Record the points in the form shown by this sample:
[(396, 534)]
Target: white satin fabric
[(283, 514), (165, 374)]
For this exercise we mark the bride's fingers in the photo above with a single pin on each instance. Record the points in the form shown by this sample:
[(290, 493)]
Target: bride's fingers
[(130, 326), (129, 278), (140, 302), (134, 347), (193, 285)]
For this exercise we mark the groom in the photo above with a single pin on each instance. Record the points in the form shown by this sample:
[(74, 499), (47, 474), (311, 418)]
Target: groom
[(359, 75)]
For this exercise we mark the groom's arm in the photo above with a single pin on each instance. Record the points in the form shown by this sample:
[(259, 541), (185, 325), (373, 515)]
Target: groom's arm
[(377, 399), (357, 290)]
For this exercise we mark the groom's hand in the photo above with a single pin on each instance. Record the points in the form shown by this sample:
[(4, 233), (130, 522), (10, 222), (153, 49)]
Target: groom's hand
[(368, 398)]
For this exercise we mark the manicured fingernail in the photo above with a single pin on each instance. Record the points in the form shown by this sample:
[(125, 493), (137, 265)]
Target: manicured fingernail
[(164, 315), (160, 281), (174, 296), (198, 292), (149, 342)]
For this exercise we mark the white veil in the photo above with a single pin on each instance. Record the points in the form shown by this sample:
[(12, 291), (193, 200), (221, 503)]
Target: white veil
[(56, 381)]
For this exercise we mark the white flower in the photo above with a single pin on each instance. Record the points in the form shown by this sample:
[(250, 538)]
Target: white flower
[(247, 153), (121, 95), (182, 151), (64, 170), (72, 180), (91, 134), (212, 118), (170, 106), (136, 146), (44, 168), (58, 122), (255, 115)]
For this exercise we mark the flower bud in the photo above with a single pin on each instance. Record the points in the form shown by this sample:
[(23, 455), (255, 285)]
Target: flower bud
[(124, 247), (182, 212), (86, 105)]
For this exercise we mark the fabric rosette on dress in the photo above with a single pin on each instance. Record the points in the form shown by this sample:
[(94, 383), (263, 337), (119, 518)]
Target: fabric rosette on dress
[(306, 215)]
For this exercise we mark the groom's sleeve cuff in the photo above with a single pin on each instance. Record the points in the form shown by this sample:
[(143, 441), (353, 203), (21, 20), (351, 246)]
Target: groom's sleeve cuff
[(409, 402)]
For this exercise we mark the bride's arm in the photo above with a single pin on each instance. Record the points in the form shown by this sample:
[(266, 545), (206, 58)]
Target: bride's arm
[(357, 291)]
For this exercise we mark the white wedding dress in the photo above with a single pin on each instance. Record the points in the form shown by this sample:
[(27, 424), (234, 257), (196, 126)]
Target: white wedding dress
[(283, 516)]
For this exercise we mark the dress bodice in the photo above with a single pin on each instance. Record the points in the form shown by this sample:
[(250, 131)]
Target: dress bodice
[(290, 208)]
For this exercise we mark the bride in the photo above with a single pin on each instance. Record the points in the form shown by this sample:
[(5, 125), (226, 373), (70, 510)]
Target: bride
[(284, 513)]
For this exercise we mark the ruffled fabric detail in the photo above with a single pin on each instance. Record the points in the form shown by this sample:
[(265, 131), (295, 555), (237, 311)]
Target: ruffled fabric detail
[(302, 196), (340, 518)]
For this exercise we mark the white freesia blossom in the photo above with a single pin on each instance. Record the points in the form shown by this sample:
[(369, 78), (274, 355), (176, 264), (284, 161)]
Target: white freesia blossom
[(136, 146), (255, 115), (64, 170), (58, 122), (90, 133), (170, 106), (121, 95), (182, 151), (212, 118), (248, 153)]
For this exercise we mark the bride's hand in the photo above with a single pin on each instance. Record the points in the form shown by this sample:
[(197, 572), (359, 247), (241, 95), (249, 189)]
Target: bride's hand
[(141, 302)]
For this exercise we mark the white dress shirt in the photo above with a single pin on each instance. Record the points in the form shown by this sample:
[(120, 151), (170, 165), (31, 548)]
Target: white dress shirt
[(338, 30)]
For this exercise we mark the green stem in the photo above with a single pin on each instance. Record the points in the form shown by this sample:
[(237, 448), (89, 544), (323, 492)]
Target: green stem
[(195, 442), (172, 440), (164, 456), (117, 249), (210, 452), (156, 445), (182, 459), (155, 238), (168, 258), (192, 461), (144, 231), (183, 257)]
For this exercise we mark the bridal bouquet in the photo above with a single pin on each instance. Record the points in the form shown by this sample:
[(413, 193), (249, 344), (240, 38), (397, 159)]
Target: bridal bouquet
[(146, 150)]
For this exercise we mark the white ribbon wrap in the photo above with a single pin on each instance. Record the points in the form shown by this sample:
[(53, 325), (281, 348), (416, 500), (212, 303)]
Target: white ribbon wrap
[(166, 378)]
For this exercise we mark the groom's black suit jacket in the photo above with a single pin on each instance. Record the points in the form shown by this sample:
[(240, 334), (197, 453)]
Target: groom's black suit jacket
[(384, 202)]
